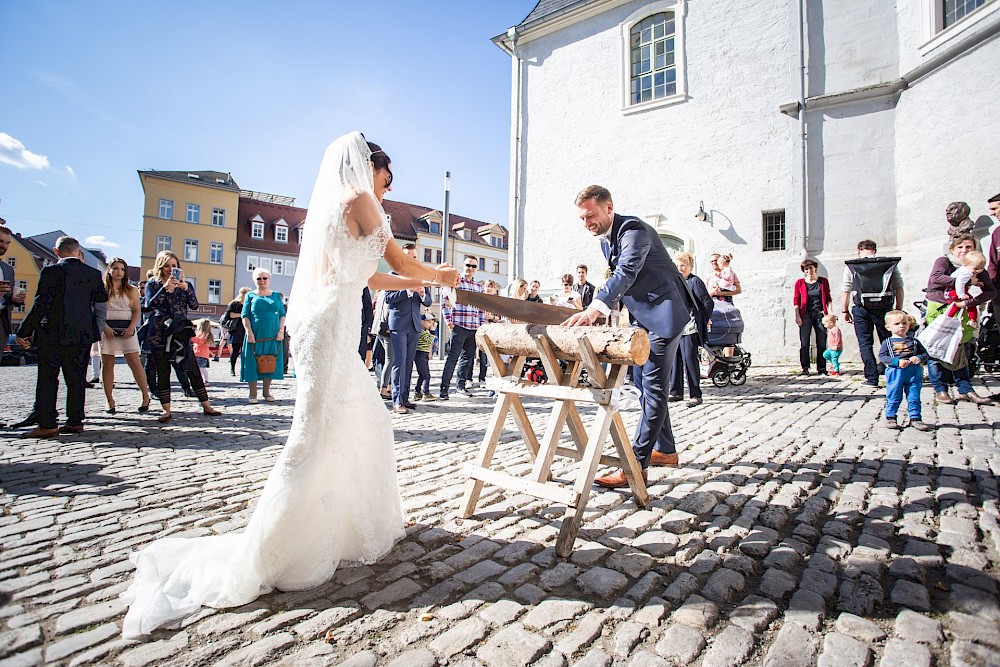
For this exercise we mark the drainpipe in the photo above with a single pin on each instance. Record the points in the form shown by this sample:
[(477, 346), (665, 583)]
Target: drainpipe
[(803, 246), (515, 247)]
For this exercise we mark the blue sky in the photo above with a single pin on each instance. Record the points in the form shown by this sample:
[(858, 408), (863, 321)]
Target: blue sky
[(94, 91)]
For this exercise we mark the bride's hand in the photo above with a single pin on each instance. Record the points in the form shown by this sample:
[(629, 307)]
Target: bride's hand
[(446, 275)]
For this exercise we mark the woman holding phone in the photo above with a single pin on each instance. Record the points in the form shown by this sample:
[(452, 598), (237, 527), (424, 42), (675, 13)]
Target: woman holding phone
[(118, 337), (170, 297)]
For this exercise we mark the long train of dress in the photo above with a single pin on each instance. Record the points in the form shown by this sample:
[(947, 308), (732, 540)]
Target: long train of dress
[(332, 494)]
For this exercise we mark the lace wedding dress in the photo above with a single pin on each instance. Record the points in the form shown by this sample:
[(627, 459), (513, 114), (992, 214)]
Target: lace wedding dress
[(332, 494)]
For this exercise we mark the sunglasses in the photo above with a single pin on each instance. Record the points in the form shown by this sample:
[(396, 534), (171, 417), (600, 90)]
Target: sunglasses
[(262, 278), (472, 266)]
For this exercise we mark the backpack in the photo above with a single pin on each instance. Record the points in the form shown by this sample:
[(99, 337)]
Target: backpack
[(871, 281)]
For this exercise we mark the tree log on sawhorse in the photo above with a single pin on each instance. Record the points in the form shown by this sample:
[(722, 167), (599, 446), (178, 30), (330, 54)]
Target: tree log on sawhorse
[(582, 348)]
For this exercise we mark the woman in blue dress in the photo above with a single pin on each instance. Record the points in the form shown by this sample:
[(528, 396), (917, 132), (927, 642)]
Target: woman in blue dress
[(264, 321)]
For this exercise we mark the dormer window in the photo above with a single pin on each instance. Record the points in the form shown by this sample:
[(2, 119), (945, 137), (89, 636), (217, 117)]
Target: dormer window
[(281, 231), (433, 227), (257, 232), (301, 232)]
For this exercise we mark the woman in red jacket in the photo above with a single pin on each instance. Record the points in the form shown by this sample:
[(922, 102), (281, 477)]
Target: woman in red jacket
[(812, 302)]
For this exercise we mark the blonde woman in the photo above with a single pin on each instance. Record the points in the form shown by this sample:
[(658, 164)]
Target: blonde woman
[(518, 289), (264, 321), (170, 297), (118, 337)]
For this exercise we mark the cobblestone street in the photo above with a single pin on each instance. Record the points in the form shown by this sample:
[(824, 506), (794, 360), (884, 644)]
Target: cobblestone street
[(797, 531)]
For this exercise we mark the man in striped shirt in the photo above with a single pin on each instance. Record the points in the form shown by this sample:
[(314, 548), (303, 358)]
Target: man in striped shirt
[(463, 321)]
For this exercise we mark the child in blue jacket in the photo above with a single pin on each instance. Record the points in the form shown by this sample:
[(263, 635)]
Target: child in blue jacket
[(904, 358)]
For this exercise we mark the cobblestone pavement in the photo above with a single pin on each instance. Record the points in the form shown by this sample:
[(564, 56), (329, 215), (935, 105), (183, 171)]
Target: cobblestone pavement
[(799, 531)]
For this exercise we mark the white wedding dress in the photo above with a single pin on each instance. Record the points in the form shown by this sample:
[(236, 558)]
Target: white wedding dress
[(332, 494)]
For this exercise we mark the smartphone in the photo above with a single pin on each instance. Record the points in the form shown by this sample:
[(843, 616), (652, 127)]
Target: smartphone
[(175, 274)]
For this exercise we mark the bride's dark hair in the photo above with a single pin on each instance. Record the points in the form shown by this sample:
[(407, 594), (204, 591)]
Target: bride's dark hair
[(379, 158)]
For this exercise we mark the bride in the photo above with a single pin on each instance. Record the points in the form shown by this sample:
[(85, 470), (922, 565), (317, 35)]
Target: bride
[(332, 494)]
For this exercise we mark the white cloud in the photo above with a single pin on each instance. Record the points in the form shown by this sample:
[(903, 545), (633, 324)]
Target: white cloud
[(69, 170), (42, 183), (100, 241), (14, 153)]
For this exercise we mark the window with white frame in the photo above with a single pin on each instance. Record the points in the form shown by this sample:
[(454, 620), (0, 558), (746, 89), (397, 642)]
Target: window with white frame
[(193, 281), (265, 263), (653, 55), (653, 59), (940, 16), (215, 253), (281, 233), (301, 231), (214, 291), (427, 255), (257, 232), (164, 243), (279, 267), (433, 227), (252, 263), (956, 10), (190, 250), (218, 217), (167, 209), (290, 267), (496, 266), (12, 261), (193, 213)]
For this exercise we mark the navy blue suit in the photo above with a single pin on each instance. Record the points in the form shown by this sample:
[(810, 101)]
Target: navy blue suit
[(646, 280), (64, 321), (404, 329)]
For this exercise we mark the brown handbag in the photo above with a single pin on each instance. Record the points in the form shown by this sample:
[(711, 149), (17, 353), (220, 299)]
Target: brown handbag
[(266, 363)]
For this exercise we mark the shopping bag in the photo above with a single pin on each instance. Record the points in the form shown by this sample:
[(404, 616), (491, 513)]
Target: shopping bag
[(942, 338)]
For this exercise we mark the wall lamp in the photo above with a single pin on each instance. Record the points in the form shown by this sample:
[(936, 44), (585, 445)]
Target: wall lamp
[(701, 215)]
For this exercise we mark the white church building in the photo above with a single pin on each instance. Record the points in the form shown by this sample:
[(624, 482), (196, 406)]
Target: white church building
[(800, 127)]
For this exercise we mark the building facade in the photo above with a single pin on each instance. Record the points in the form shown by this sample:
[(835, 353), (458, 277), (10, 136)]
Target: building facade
[(774, 131), (193, 214), (269, 236)]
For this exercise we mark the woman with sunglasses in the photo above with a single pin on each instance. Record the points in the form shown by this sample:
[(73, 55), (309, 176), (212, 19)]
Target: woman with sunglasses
[(170, 297), (332, 494), (264, 322)]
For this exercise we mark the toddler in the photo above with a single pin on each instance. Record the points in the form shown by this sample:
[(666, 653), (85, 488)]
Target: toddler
[(202, 341), (834, 343), (425, 344), (726, 280), (904, 358), (965, 275)]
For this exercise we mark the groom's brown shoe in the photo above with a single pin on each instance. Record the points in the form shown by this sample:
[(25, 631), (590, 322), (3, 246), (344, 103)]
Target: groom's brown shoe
[(41, 433), (661, 459), (616, 480)]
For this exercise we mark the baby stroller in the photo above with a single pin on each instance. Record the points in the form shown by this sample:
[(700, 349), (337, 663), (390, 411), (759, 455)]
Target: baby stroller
[(988, 344), (722, 359)]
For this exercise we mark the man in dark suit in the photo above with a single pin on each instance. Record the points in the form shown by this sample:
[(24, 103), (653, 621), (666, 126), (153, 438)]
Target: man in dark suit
[(646, 280), (68, 314), (404, 329)]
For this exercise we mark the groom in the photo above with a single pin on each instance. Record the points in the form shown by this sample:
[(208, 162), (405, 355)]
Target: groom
[(646, 280)]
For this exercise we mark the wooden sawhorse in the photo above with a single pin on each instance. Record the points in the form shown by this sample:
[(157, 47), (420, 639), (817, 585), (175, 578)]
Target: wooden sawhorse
[(621, 348)]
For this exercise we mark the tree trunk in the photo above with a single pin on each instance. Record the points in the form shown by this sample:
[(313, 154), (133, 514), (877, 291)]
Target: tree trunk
[(616, 345)]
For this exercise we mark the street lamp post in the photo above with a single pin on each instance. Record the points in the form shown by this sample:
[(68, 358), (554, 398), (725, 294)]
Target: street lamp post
[(442, 325)]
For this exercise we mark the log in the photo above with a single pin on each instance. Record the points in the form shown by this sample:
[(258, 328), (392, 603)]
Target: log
[(613, 345)]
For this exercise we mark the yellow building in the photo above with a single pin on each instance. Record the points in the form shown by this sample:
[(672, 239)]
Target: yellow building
[(194, 215), (27, 258)]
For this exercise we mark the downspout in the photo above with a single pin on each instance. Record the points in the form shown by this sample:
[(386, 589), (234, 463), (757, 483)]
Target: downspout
[(516, 270), (802, 246)]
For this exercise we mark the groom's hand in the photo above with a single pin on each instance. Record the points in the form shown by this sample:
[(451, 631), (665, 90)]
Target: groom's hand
[(584, 318)]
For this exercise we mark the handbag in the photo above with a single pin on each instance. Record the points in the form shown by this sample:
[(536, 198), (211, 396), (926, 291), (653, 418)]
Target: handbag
[(229, 323), (942, 338), (266, 363), (118, 326)]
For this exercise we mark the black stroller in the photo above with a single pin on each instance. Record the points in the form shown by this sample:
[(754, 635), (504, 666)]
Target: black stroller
[(723, 360)]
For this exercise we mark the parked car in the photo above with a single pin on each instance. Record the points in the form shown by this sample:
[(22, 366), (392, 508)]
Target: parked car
[(15, 355)]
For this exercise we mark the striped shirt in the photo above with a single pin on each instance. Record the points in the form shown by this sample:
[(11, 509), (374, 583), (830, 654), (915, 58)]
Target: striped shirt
[(425, 341), (464, 316)]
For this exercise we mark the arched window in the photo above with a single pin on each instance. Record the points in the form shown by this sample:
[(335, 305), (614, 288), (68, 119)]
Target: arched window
[(652, 47), (673, 244)]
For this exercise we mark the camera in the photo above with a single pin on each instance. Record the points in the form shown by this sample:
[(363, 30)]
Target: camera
[(175, 274)]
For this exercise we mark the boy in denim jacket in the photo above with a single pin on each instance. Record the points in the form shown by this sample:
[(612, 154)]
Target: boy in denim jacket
[(904, 358)]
